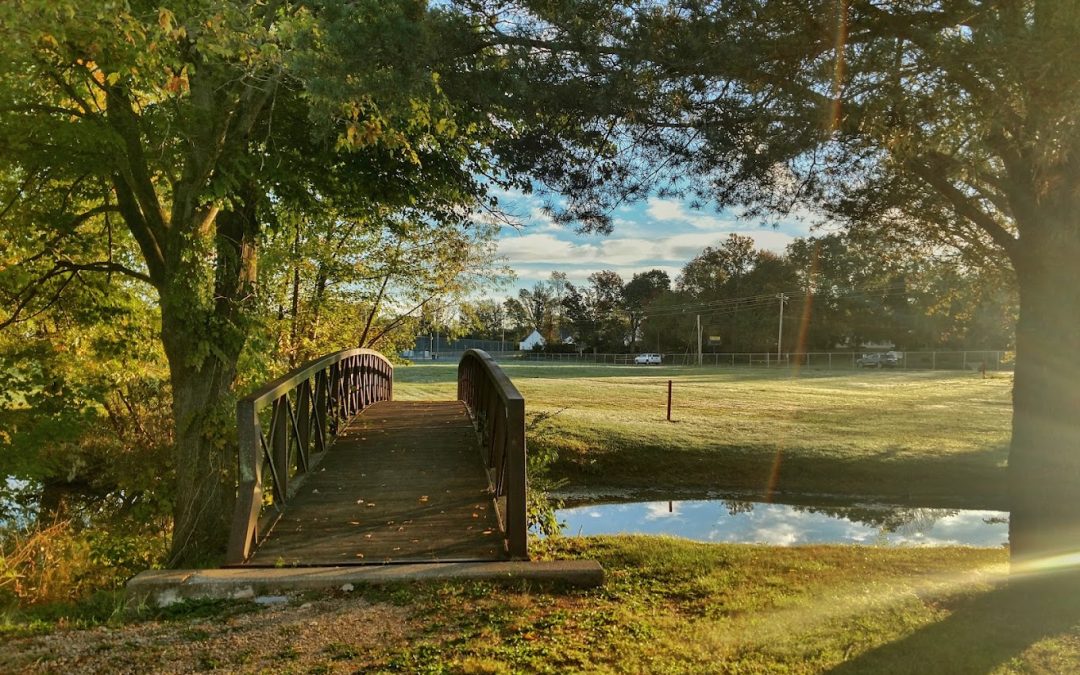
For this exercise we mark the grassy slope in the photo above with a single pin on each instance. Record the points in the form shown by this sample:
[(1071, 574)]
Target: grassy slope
[(667, 606), (932, 438)]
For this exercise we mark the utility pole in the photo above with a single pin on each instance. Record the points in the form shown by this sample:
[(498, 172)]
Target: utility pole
[(699, 339), (780, 333)]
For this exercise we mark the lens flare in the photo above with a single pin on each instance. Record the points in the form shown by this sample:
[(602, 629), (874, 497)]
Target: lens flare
[(1065, 562), (839, 64)]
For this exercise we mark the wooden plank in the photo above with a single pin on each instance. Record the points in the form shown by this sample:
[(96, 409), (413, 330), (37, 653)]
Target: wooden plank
[(404, 482)]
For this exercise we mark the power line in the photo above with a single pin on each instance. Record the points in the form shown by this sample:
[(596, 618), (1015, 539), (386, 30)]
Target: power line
[(733, 305)]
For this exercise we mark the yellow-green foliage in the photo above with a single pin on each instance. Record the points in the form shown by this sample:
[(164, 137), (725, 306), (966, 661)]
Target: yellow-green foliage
[(58, 563)]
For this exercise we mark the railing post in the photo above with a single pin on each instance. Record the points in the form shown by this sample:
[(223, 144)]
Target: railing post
[(280, 452), (517, 535), (303, 424), (249, 484), (320, 410)]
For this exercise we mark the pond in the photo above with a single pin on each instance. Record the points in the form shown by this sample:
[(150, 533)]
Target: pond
[(733, 521)]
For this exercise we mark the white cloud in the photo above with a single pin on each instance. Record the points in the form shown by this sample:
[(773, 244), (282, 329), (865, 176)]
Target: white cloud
[(801, 221), (543, 248), (656, 510), (660, 233), (666, 209), (673, 211), (677, 248), (780, 534), (539, 221)]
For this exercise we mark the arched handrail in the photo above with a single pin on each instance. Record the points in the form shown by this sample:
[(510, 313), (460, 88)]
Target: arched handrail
[(497, 410), (309, 406)]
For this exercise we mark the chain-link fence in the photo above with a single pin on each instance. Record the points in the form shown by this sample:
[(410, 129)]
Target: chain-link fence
[(916, 360)]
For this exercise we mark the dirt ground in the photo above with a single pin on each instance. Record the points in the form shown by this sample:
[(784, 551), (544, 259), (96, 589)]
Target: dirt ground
[(331, 635)]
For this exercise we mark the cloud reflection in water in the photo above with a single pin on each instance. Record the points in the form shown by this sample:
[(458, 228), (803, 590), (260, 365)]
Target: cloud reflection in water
[(783, 525)]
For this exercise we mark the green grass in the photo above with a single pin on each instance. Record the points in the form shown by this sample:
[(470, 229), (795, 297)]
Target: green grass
[(923, 437), (666, 606), (675, 606)]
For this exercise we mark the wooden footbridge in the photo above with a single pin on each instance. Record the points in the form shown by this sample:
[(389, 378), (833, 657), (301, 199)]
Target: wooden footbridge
[(334, 472)]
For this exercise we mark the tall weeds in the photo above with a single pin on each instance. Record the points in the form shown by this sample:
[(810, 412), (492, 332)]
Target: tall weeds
[(59, 562)]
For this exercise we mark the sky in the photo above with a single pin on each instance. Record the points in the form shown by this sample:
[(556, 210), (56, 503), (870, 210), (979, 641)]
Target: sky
[(655, 234)]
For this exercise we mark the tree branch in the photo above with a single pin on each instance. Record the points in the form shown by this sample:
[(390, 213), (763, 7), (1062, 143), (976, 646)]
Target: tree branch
[(31, 291), (149, 243), (136, 172), (34, 108), (964, 206), (104, 266)]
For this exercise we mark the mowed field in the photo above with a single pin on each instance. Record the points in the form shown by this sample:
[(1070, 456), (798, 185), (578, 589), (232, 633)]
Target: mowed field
[(926, 438)]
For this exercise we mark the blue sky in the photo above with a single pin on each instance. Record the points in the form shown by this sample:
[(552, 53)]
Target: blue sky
[(658, 233)]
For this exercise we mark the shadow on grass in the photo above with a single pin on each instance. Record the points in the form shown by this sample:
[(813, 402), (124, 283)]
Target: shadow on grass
[(982, 632), (938, 481)]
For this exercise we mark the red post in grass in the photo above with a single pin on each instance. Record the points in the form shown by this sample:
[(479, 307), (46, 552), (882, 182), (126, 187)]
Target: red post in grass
[(669, 400)]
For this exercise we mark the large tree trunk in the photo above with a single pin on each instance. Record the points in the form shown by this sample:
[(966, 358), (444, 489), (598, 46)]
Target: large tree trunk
[(1044, 460), (203, 338), (203, 462)]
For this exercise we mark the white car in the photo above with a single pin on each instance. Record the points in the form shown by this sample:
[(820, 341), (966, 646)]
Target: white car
[(647, 359)]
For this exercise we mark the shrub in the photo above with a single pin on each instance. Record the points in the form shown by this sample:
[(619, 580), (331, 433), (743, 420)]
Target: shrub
[(61, 563)]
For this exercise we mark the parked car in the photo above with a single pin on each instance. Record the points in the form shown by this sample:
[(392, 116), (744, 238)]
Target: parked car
[(877, 360), (647, 359)]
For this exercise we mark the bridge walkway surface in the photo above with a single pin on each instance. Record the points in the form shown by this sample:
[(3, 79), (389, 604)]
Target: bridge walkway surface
[(404, 482)]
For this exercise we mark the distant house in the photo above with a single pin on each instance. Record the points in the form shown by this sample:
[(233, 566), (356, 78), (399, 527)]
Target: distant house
[(534, 338), (876, 345)]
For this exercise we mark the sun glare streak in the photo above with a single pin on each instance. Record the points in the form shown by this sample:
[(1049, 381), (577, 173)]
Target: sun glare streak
[(839, 64), (849, 603), (774, 474), (808, 308), (1059, 563), (800, 348)]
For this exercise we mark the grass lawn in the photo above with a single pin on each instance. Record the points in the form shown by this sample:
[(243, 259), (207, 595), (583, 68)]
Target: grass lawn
[(928, 438), (667, 606)]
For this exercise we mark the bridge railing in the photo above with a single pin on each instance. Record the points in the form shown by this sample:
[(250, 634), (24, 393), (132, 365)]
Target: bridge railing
[(306, 409), (498, 413)]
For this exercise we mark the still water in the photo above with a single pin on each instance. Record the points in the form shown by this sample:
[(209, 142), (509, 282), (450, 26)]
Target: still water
[(725, 520)]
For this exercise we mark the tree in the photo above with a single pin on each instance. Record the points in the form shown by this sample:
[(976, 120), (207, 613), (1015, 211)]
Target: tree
[(951, 123), (536, 303), (958, 123), (192, 127), (862, 290), (595, 312), (489, 319), (517, 318), (716, 268), (338, 281), (642, 289)]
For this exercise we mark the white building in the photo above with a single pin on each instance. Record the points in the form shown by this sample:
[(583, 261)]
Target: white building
[(534, 338)]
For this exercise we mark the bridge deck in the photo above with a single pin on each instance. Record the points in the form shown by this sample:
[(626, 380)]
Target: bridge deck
[(404, 482)]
